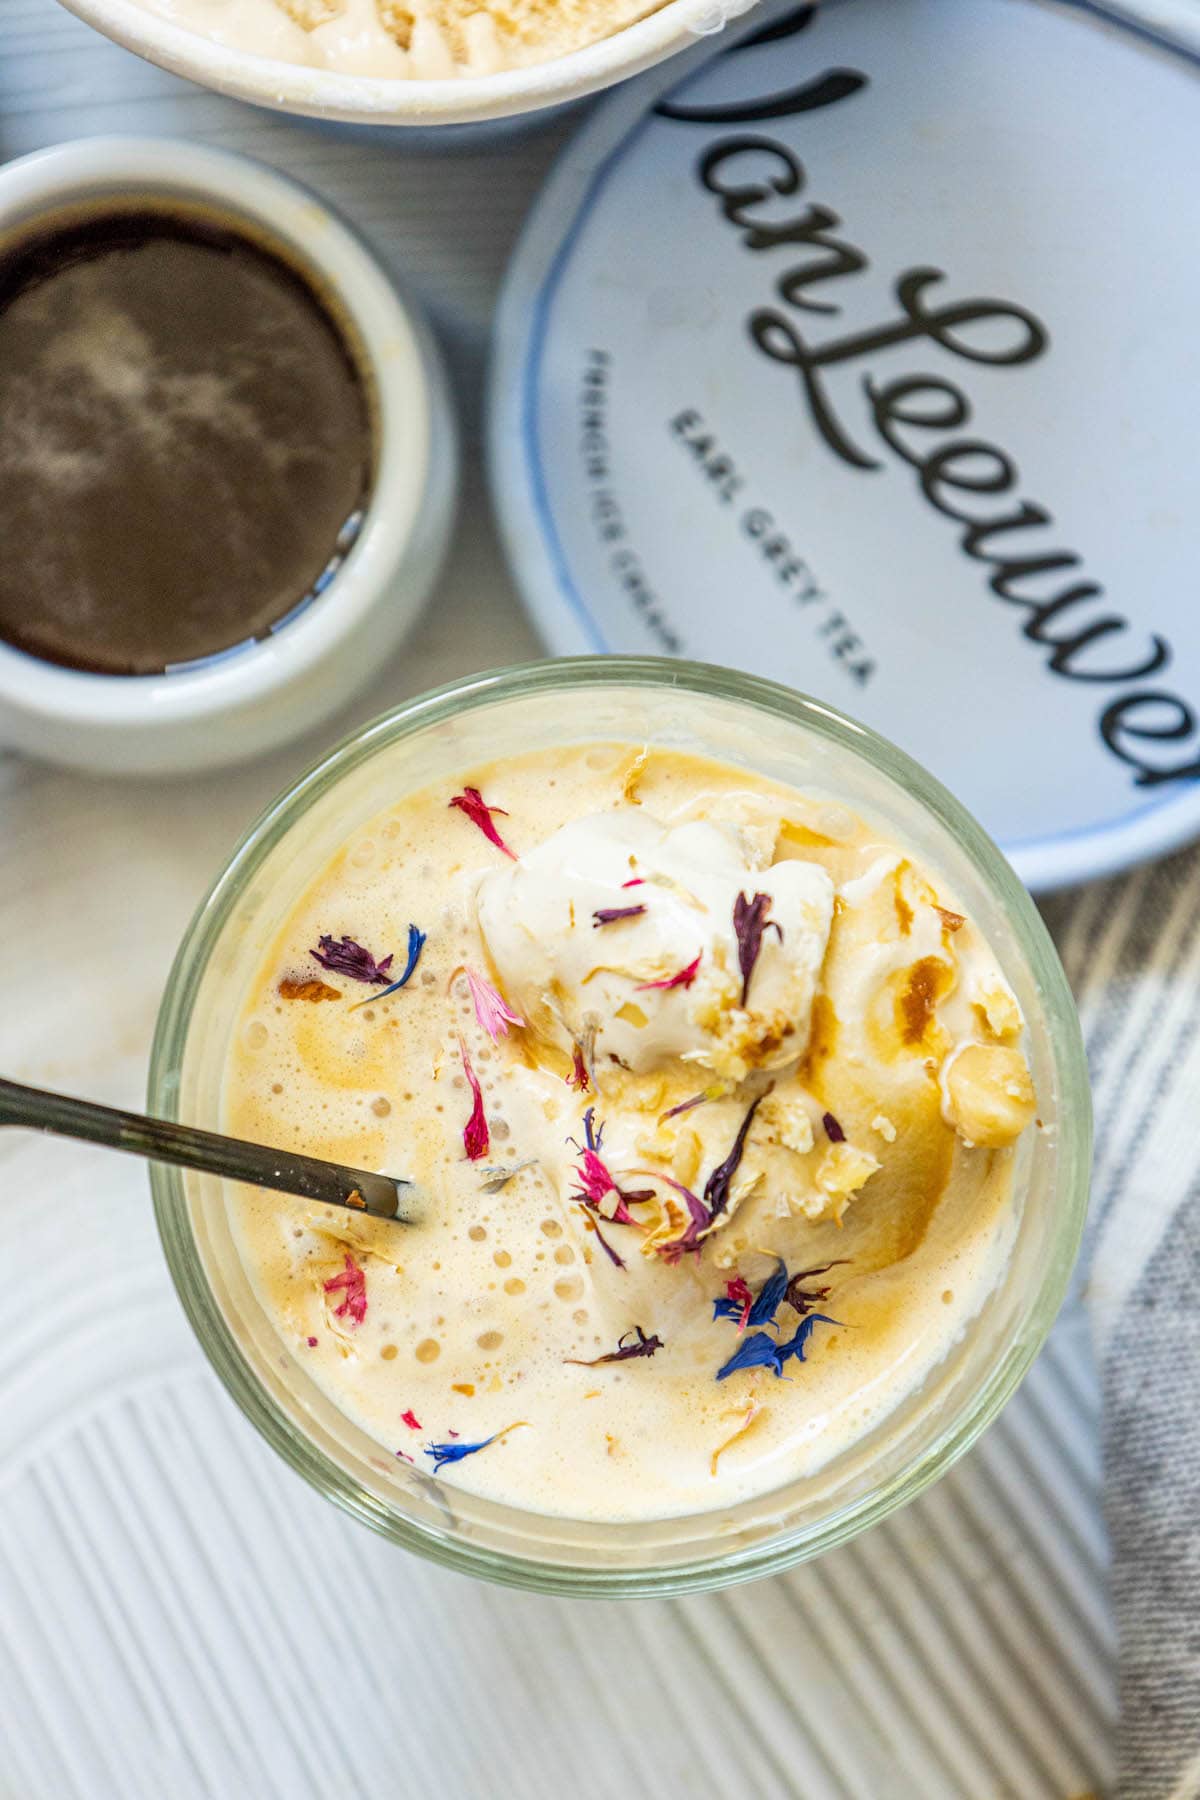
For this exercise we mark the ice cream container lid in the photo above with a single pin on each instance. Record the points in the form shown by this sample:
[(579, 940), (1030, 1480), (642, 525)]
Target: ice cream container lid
[(865, 356)]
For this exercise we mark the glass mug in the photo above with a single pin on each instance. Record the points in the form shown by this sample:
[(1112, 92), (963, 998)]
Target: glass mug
[(771, 732)]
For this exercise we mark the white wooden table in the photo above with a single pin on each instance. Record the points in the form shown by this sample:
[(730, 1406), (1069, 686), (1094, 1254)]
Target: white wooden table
[(179, 1615)]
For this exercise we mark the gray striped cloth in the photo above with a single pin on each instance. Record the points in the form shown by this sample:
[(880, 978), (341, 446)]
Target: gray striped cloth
[(1132, 951)]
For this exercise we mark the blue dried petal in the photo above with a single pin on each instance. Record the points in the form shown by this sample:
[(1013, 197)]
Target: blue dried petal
[(416, 943), (766, 1302), (770, 1297), (756, 1351), (452, 1453), (795, 1345)]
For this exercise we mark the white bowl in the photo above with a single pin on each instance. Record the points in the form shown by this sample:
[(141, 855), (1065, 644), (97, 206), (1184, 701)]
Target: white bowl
[(329, 94), (263, 693)]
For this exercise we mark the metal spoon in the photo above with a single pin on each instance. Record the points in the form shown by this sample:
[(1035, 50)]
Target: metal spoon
[(162, 1140)]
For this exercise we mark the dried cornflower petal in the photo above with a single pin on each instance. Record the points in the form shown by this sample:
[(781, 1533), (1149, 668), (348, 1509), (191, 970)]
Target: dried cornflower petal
[(750, 922), (608, 915), (736, 1302), (641, 1346), (452, 1453), (753, 1309), (795, 1345), (596, 1180), (416, 942), (833, 1130), (491, 1009), (475, 1131), (410, 1419), (635, 881), (472, 802), (291, 988), (683, 978), (349, 958), (716, 1188), (758, 1351), (578, 1078), (353, 1282), (311, 1342)]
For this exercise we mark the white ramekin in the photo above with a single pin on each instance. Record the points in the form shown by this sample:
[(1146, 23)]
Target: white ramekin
[(264, 693), (327, 94)]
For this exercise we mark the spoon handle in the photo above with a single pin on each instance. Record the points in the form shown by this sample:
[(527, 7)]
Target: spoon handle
[(162, 1140)]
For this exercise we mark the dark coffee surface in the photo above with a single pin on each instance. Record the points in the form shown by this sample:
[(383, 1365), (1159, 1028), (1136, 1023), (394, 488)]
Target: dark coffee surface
[(184, 438)]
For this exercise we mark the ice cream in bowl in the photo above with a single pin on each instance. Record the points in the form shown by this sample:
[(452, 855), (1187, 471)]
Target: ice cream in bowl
[(418, 63), (741, 1088)]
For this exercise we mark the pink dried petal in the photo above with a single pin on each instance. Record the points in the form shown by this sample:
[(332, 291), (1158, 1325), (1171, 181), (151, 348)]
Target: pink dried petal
[(475, 1131), (579, 1078), (738, 1290), (491, 1009), (410, 1419), (682, 979), (472, 802), (353, 1281), (596, 1180)]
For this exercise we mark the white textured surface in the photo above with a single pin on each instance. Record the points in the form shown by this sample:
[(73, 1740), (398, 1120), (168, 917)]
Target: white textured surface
[(179, 1615)]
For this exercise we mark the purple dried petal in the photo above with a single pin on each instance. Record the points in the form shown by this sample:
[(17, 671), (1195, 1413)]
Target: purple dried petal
[(749, 923), (608, 915), (618, 1262), (699, 1221), (349, 958), (642, 1346), (716, 1188), (833, 1130), (684, 1106), (803, 1299)]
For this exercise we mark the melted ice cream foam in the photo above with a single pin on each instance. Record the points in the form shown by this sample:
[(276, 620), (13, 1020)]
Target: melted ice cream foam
[(853, 1101), (428, 40)]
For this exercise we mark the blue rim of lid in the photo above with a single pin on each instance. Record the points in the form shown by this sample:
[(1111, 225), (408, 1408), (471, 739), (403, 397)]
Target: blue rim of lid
[(525, 517)]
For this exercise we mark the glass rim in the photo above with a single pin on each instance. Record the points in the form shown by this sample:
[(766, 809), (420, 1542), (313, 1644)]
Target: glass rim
[(715, 1567)]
